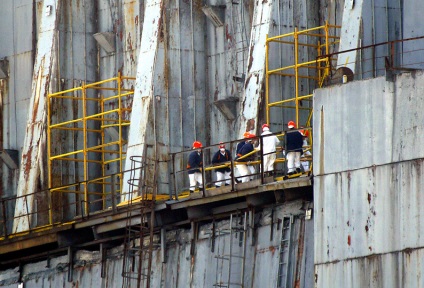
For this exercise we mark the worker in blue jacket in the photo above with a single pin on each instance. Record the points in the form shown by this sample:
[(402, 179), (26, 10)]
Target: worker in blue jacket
[(294, 143), (224, 173), (245, 169), (194, 166)]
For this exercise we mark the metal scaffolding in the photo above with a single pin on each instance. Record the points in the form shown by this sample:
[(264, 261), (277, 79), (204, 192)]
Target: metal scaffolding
[(321, 43), (315, 41), (85, 130)]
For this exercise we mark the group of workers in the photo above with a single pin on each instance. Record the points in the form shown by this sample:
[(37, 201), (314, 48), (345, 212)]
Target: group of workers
[(295, 143)]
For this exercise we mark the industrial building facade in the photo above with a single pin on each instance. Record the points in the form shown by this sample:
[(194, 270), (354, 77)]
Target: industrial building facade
[(102, 100)]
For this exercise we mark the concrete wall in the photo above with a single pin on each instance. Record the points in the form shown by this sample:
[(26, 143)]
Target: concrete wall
[(183, 270), (367, 184)]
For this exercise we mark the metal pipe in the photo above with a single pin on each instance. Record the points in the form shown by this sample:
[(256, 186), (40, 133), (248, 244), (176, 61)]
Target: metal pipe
[(113, 191), (267, 79), (84, 125), (193, 69), (70, 264), (261, 142), (231, 250), (121, 158), (243, 258), (233, 179), (296, 59), (203, 175), (4, 218), (163, 244)]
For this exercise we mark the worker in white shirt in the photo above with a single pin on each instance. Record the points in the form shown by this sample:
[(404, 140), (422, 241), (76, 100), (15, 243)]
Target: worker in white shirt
[(269, 148)]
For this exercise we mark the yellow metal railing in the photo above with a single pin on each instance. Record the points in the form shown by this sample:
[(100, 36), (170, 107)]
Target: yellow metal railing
[(315, 41), (94, 107)]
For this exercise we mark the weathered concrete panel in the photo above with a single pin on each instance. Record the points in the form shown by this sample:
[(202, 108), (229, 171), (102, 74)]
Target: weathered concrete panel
[(400, 269), (368, 182), (369, 211), (379, 119)]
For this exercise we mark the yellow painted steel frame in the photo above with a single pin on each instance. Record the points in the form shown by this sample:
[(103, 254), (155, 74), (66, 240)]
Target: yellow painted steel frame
[(324, 42), (110, 152)]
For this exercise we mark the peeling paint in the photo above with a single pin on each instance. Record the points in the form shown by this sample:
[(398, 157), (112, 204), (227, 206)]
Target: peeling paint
[(29, 174), (144, 83)]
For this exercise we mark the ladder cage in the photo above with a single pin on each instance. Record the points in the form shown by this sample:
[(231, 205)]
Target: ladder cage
[(139, 229)]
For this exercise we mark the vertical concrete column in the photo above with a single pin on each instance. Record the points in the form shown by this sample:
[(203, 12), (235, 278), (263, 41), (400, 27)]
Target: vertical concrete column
[(31, 173)]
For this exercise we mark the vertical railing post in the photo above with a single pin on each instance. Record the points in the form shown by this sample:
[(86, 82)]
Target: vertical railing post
[(4, 217), (49, 161), (203, 174), (174, 184), (27, 212), (392, 54), (233, 179), (113, 191), (50, 206), (261, 152), (85, 139)]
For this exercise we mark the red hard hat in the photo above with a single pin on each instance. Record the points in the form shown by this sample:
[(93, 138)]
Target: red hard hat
[(265, 126), (246, 135), (291, 124), (197, 144), (251, 135), (221, 145)]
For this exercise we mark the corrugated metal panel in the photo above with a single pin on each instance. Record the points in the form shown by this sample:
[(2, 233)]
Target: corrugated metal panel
[(389, 23), (412, 27), (16, 46), (8, 15), (227, 48), (125, 20)]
